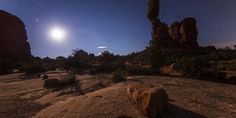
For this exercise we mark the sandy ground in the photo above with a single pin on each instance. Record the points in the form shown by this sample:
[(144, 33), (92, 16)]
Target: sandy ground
[(20, 98)]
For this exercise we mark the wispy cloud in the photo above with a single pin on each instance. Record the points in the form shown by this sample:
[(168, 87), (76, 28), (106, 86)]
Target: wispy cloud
[(102, 47), (225, 44)]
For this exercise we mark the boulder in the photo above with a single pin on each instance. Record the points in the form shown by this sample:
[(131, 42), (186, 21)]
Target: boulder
[(150, 101), (51, 83)]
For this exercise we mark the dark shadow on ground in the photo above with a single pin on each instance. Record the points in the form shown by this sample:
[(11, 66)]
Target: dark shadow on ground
[(16, 107), (174, 111)]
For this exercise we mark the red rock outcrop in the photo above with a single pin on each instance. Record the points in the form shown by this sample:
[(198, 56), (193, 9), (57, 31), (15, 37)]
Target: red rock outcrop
[(189, 33), (178, 35), (153, 9), (160, 35), (174, 31), (152, 14), (13, 37), (14, 47)]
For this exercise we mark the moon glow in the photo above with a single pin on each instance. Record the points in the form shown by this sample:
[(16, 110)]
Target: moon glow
[(57, 34)]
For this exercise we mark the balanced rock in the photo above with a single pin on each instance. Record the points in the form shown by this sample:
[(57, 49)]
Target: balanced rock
[(150, 101), (179, 35), (152, 14), (160, 32), (153, 9)]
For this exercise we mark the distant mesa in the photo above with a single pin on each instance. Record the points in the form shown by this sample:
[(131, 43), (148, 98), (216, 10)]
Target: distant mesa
[(13, 37), (182, 35)]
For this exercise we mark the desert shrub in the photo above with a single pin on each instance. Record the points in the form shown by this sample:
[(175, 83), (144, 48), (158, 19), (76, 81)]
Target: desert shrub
[(6, 66), (226, 65), (158, 59), (68, 79), (49, 64), (199, 67), (33, 67), (80, 60), (108, 62), (110, 66), (51, 83), (60, 62), (105, 67), (118, 76), (138, 70)]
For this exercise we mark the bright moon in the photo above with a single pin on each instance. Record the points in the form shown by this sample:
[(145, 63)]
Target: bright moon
[(57, 34)]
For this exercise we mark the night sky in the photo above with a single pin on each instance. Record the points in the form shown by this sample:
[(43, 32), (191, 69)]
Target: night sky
[(119, 25)]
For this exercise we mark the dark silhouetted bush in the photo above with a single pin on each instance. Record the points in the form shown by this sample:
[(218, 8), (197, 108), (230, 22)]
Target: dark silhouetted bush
[(80, 60), (139, 70), (33, 67), (69, 78), (118, 76), (60, 62), (6, 66), (52, 83), (59, 83), (199, 67)]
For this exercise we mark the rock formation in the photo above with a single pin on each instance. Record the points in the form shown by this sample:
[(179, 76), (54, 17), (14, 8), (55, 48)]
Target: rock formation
[(189, 33), (153, 10), (13, 37), (178, 35), (174, 31), (150, 101), (13, 40), (159, 29)]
